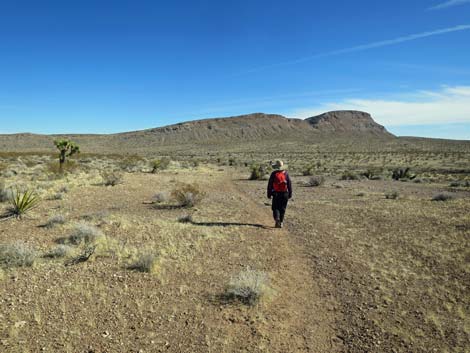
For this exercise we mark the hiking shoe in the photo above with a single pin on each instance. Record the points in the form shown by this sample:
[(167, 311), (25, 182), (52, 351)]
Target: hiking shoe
[(278, 225), (281, 224)]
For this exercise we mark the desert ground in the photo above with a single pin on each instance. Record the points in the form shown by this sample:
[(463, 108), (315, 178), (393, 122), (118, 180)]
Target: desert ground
[(113, 260)]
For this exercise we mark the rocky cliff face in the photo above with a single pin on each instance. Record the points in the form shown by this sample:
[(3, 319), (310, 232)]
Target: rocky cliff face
[(347, 121), (257, 128)]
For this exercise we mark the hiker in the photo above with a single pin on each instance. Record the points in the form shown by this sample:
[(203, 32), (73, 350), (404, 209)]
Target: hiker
[(280, 189)]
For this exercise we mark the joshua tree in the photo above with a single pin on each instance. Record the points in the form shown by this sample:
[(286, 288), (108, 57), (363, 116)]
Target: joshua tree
[(66, 149)]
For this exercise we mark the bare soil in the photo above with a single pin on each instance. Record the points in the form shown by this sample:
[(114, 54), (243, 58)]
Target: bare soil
[(350, 272)]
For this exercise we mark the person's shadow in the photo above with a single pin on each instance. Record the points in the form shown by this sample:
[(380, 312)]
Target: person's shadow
[(228, 224)]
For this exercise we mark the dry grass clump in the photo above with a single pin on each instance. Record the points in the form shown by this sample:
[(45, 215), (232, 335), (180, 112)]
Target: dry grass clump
[(56, 196), (55, 220), (17, 255), (59, 251), (315, 181), (146, 261), (161, 197), (349, 176), (188, 195), (186, 219), (249, 286), (55, 168), (392, 195), (442, 197), (5, 193), (84, 233), (111, 178)]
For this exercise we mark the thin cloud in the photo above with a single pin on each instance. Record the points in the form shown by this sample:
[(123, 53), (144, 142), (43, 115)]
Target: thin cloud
[(449, 3), (444, 106), (368, 46)]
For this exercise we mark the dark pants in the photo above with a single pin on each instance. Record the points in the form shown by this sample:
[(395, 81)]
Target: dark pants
[(279, 205)]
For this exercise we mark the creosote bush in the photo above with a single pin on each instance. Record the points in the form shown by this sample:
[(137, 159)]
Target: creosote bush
[(17, 255), (160, 164), (309, 170), (249, 286), (257, 172), (188, 195)]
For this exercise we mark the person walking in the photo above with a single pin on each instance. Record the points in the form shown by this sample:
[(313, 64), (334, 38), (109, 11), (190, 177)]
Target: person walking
[(280, 190)]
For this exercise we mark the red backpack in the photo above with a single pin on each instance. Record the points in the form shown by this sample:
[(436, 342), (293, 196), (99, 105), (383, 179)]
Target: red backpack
[(280, 182)]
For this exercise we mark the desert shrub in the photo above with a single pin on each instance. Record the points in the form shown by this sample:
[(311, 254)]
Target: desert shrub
[(257, 172), (442, 197), (56, 169), (130, 163), (64, 189), (60, 250), (55, 220), (17, 255), (315, 180), (249, 286), (402, 174), (56, 196), (146, 261), (22, 202), (83, 233), (188, 195), (161, 197), (160, 164), (392, 195), (186, 219), (349, 176), (309, 170), (111, 178), (5, 193), (372, 174)]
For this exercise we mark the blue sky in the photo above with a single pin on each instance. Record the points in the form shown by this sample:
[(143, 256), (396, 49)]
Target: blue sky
[(111, 66)]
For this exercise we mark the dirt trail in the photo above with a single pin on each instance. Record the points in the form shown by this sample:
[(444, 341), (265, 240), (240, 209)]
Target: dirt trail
[(307, 323)]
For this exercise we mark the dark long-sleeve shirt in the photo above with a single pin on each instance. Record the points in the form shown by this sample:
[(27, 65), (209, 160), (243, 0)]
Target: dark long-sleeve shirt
[(271, 182)]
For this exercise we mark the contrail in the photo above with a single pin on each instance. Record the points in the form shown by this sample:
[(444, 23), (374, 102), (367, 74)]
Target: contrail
[(383, 43), (449, 3)]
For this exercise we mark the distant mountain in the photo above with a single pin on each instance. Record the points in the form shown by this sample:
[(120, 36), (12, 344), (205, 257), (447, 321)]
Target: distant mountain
[(348, 121), (244, 132)]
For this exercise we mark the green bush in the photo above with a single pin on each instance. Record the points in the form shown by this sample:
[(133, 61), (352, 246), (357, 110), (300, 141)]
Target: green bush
[(257, 172), (160, 164)]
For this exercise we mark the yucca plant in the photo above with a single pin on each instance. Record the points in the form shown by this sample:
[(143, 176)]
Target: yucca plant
[(22, 202)]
